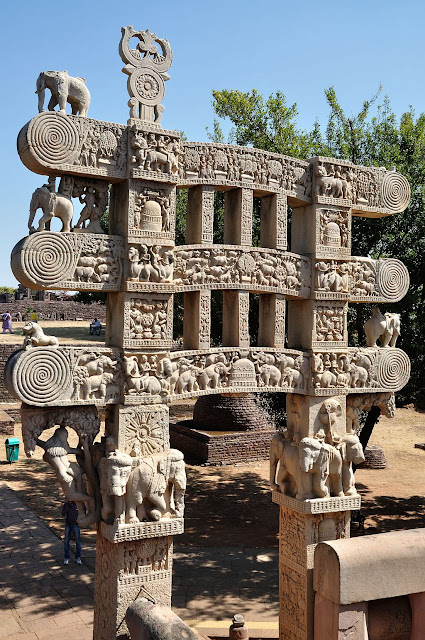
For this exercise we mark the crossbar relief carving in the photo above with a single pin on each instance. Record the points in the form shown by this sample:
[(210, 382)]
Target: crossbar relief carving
[(135, 481)]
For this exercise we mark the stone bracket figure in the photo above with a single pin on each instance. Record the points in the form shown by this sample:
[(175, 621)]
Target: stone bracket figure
[(70, 474), (53, 204), (385, 327)]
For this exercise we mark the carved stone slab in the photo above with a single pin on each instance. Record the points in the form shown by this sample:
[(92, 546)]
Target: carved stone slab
[(369, 191), (317, 505), (235, 267), (355, 370), (219, 164), (53, 143), (142, 430), (60, 376), (84, 261), (141, 530), (180, 374), (360, 280)]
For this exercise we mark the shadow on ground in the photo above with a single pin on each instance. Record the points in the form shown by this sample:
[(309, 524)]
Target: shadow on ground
[(389, 513)]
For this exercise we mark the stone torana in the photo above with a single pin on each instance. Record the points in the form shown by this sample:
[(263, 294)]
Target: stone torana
[(131, 482)]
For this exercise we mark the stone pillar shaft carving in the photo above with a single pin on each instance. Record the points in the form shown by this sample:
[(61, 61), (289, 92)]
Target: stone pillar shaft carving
[(197, 319), (238, 217), (200, 215), (271, 321), (235, 319)]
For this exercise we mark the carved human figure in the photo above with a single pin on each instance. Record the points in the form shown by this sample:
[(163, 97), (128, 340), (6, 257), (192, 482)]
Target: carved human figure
[(35, 336), (52, 204), (319, 463), (385, 327), (88, 198), (149, 483), (114, 470), (70, 474), (64, 88)]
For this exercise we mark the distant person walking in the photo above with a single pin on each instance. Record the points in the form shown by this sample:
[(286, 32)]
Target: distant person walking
[(7, 322), (34, 316), (70, 512)]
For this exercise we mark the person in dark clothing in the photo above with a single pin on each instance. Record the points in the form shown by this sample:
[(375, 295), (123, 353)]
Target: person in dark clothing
[(70, 512)]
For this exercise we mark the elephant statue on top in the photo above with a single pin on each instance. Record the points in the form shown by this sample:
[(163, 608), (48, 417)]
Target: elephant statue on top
[(321, 467), (385, 327), (152, 484), (64, 88)]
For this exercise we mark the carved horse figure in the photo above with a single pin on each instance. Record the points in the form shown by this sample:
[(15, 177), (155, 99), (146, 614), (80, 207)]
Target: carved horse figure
[(53, 205)]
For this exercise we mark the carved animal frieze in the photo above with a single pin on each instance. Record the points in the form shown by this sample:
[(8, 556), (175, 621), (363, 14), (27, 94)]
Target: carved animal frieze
[(232, 267), (193, 373), (49, 376), (361, 280), (69, 261), (357, 370), (369, 191), (224, 164)]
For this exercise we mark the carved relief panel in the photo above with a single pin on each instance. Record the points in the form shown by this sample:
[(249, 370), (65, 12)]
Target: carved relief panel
[(148, 320), (152, 211), (329, 324), (333, 232), (141, 430), (155, 153)]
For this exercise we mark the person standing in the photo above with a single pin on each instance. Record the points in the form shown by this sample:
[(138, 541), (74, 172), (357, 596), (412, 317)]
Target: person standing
[(7, 322), (70, 512)]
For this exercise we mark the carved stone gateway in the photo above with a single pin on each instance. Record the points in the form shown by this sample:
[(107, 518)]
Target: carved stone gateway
[(132, 483)]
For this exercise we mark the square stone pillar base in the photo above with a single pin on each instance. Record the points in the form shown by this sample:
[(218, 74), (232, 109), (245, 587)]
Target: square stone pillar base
[(302, 525), (128, 568)]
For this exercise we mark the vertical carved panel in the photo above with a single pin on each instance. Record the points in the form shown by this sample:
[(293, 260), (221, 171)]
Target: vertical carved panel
[(207, 223), (197, 319), (246, 217)]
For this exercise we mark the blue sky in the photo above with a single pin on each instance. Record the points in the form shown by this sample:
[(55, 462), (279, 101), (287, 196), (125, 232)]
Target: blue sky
[(300, 48)]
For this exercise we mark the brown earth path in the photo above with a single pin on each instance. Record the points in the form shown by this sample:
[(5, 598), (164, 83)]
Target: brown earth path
[(226, 561)]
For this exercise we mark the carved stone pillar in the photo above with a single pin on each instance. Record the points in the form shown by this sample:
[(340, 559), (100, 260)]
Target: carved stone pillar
[(197, 319), (274, 212), (238, 217), (200, 215), (134, 557), (235, 319), (271, 326), (301, 526)]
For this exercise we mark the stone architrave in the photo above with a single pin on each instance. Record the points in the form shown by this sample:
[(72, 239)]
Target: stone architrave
[(139, 481)]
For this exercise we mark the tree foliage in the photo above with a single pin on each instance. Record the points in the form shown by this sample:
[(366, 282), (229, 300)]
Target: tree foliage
[(374, 136)]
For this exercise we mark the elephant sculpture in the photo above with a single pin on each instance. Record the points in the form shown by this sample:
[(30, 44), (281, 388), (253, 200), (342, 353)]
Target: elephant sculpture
[(351, 451), (53, 205), (385, 327), (64, 88), (153, 485), (285, 453), (321, 465)]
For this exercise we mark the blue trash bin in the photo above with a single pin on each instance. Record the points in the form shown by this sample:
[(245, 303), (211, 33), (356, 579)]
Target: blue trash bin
[(12, 449)]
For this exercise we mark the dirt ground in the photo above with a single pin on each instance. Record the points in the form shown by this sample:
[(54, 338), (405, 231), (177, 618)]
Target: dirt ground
[(65, 330), (231, 505)]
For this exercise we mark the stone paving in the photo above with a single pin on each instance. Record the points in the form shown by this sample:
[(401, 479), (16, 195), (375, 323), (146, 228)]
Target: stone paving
[(40, 598)]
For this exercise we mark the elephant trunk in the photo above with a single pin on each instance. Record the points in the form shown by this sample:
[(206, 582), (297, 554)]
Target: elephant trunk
[(40, 90), (305, 461)]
